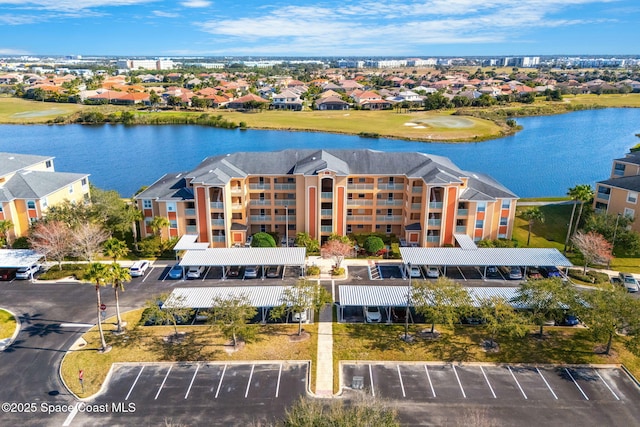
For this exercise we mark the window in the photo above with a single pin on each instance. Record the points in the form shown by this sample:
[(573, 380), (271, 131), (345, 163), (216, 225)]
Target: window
[(389, 212), (291, 196), (506, 204), (632, 197), (479, 223), (349, 180), (71, 189), (43, 202), (171, 207), (173, 223), (630, 213), (48, 164), (0, 207), (618, 170), (263, 228), (291, 180), (84, 182), (504, 221), (349, 212), (31, 204), (360, 226), (348, 228), (390, 180), (361, 196), (388, 228), (146, 204), (482, 206), (261, 180), (362, 180)]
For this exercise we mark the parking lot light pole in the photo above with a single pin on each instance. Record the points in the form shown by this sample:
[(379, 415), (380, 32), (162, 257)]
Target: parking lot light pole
[(406, 313), (613, 241), (286, 224)]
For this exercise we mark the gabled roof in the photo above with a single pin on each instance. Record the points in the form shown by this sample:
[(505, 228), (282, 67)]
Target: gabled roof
[(631, 183), (11, 162), (171, 186), (38, 184)]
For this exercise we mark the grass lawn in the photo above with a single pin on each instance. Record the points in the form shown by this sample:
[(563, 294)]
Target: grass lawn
[(462, 344), (7, 324), (629, 100), (22, 111), (145, 344)]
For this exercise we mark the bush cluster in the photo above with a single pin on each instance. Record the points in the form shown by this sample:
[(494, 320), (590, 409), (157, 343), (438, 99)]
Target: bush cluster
[(592, 276)]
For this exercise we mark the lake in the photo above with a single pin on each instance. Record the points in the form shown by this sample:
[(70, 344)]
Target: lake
[(550, 155)]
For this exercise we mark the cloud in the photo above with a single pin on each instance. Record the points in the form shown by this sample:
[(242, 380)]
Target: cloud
[(69, 5), (5, 51), (196, 3), (163, 14)]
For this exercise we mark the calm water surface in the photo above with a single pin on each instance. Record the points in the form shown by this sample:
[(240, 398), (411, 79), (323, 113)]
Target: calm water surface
[(550, 155)]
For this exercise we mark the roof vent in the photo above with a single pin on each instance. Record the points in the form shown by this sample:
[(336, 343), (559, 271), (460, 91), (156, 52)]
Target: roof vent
[(12, 158), (313, 158), (228, 154)]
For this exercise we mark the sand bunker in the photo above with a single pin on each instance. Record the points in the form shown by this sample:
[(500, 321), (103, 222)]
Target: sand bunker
[(410, 124), (448, 122), (31, 114)]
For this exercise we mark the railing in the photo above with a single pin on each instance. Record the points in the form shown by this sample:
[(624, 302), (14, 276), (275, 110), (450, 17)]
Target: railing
[(288, 202), (326, 229), (259, 202), (217, 221), (190, 212), (461, 228), (285, 218), (326, 212), (359, 202), (416, 189), (434, 222), (236, 206), (260, 218), (435, 205), (217, 205), (218, 238), (360, 218), (433, 239), (388, 218), (603, 196), (326, 195), (191, 229), (259, 186), (288, 186), (390, 186), (416, 206), (236, 190), (387, 202), (359, 186), (463, 212)]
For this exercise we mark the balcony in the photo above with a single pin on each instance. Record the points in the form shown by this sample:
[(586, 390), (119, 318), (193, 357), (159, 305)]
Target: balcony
[(387, 202), (287, 202), (284, 218), (359, 202), (416, 206), (603, 196), (288, 186), (359, 218), (390, 186), (436, 222), (217, 205), (359, 186), (416, 189), (191, 229), (260, 202), (433, 239), (236, 206), (260, 218), (218, 238), (461, 228), (189, 212), (236, 190), (435, 205), (219, 221), (463, 212), (326, 229), (326, 195), (259, 186), (326, 212), (388, 218)]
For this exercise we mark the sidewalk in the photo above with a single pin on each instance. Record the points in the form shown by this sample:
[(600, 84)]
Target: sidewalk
[(324, 368)]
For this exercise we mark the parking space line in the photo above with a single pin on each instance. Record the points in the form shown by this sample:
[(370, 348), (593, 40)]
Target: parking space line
[(574, 381), (429, 378), (516, 380), (401, 383), (134, 383), (373, 392), (147, 274), (459, 383), (221, 378), (192, 380), (548, 386), (246, 393), (278, 383), (163, 381), (605, 383), (488, 383)]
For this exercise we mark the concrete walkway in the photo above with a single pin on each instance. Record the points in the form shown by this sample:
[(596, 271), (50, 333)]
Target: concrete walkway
[(324, 365)]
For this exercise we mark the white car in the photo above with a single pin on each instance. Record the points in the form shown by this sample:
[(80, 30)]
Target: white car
[(250, 272), (195, 271), (433, 272), (415, 272), (297, 317), (138, 268), (24, 273), (372, 314)]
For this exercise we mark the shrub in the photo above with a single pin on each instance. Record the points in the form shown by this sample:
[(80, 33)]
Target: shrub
[(592, 276), (313, 270), (75, 270), (263, 240), (21, 243), (373, 244), (338, 271)]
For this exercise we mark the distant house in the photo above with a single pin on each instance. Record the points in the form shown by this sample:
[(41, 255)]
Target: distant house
[(247, 102), (331, 103), (286, 100)]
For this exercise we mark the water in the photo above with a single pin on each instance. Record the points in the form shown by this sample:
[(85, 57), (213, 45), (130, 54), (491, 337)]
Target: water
[(550, 155)]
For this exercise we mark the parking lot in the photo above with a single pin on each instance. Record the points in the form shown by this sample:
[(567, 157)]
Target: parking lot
[(199, 393), (599, 391)]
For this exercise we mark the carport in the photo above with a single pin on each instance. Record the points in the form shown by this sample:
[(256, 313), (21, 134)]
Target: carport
[(261, 297), (244, 257), (14, 259), (472, 256)]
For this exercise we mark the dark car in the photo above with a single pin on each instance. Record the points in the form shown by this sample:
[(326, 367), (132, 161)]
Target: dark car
[(234, 271), (570, 320), (7, 274), (534, 273), (550, 271)]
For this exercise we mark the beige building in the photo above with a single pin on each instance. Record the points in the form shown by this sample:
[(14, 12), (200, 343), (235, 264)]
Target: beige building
[(422, 199), (29, 186), (619, 194)]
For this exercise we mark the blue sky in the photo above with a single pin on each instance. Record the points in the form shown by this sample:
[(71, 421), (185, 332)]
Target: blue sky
[(319, 28)]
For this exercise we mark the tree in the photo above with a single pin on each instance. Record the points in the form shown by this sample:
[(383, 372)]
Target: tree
[(302, 296), (593, 247), (532, 215), (98, 274), (166, 310), (87, 240), (232, 313), (626, 241), (584, 193), (544, 299), (373, 244), (263, 240), (5, 227), (72, 214), (118, 276), (336, 249), (157, 224), (305, 240), (500, 317), (577, 193), (154, 99), (52, 239), (442, 301), (115, 248), (114, 212)]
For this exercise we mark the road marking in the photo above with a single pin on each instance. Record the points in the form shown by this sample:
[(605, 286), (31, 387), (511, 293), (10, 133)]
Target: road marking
[(401, 383), (146, 274), (373, 392), (605, 383), (548, 386), (246, 393), (192, 380), (163, 381), (220, 383), (71, 416), (574, 381), (134, 383), (459, 383), (430, 383), (278, 384), (76, 325), (516, 380), (488, 383)]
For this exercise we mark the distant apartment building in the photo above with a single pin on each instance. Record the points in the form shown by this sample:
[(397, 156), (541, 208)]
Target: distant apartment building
[(422, 199), (29, 186), (146, 64), (619, 193)]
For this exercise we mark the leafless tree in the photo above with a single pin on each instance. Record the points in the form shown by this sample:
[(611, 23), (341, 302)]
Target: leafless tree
[(593, 246), (87, 239), (51, 239)]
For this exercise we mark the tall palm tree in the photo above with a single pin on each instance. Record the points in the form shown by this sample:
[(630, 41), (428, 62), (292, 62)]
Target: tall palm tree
[(532, 215), (118, 276), (580, 193), (114, 248), (98, 273), (157, 224), (584, 193)]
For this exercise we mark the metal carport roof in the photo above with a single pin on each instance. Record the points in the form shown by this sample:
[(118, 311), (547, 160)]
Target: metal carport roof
[(202, 298), (484, 257), (17, 258), (188, 242), (220, 257)]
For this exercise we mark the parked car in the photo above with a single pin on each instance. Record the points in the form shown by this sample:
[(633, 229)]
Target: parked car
[(492, 270), (515, 273), (372, 314), (7, 274), (249, 241), (415, 272), (433, 272), (138, 268), (195, 271), (250, 272), (629, 282), (273, 271), (534, 273), (27, 272), (297, 317), (550, 271), (176, 272), (233, 271), (570, 320)]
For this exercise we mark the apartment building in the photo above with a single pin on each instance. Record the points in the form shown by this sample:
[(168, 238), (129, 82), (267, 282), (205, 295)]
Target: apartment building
[(619, 193), (422, 199), (29, 186)]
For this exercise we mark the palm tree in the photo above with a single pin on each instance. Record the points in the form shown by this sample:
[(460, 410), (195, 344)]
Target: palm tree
[(118, 276), (582, 193), (98, 273), (157, 224), (532, 215), (5, 226), (114, 248)]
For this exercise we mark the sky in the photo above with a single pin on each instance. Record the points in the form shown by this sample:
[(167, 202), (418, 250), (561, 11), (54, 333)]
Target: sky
[(312, 28)]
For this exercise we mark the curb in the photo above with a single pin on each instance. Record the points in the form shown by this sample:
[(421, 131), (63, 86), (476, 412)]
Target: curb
[(6, 343)]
